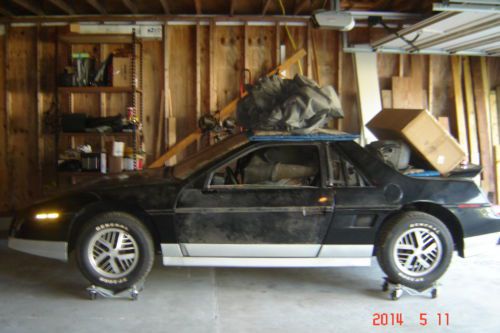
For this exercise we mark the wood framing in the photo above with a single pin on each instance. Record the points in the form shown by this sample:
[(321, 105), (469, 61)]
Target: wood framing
[(456, 68), (165, 6), (471, 113), (224, 113), (131, 6), (29, 5), (481, 93), (97, 6), (64, 6)]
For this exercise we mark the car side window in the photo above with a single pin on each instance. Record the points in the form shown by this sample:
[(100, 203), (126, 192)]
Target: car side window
[(271, 166), (342, 173)]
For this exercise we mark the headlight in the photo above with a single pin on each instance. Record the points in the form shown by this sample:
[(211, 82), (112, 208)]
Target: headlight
[(47, 216)]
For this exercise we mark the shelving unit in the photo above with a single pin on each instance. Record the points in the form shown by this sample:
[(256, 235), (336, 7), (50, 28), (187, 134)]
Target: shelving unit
[(135, 99)]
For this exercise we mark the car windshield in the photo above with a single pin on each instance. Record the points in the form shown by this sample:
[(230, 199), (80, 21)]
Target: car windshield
[(190, 165)]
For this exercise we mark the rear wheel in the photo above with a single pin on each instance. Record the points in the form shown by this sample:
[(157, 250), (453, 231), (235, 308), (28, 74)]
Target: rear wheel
[(115, 251), (414, 249)]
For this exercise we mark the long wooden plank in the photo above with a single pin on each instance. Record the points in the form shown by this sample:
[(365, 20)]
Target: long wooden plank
[(471, 114), (496, 153), (481, 90), (495, 133), (456, 68), (224, 113)]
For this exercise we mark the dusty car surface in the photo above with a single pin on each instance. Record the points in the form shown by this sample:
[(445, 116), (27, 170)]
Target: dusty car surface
[(264, 200)]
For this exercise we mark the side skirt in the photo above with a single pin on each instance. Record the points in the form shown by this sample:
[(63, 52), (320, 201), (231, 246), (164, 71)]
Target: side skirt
[(266, 255)]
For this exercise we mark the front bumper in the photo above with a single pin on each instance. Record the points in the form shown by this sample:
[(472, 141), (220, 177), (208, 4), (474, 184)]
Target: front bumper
[(48, 249), (480, 244)]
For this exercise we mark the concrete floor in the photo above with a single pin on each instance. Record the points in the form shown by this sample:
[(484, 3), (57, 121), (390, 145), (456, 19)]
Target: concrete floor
[(42, 295)]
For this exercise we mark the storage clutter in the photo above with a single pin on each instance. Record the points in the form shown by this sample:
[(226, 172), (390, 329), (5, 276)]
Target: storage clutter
[(84, 70), (423, 133), (114, 158)]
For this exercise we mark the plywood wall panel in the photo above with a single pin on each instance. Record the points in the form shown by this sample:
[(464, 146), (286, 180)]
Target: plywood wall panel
[(47, 54), (182, 76), (228, 64), (5, 198), (326, 42), (23, 137), (152, 82), (259, 53)]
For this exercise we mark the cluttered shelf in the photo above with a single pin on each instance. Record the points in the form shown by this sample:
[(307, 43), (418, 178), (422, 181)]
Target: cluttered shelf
[(98, 89)]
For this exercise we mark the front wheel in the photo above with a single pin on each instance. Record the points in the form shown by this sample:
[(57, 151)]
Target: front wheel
[(114, 251), (414, 249)]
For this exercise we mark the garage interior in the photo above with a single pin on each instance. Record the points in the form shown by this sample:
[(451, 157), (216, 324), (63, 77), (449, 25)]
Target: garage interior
[(195, 58)]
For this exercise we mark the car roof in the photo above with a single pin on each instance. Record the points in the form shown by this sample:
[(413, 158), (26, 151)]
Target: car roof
[(318, 135)]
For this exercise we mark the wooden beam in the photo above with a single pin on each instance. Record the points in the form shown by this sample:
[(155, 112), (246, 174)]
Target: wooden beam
[(456, 68), (225, 112), (430, 87), (496, 154), (212, 89), (301, 5), (28, 5), (197, 6), (481, 92), (64, 6), (277, 44), (471, 113), (131, 6), (265, 6), (231, 7), (39, 110), (165, 6), (97, 6), (5, 12), (495, 134), (198, 71)]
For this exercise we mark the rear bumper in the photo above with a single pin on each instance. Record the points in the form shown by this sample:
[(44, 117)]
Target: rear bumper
[(480, 244), (48, 249)]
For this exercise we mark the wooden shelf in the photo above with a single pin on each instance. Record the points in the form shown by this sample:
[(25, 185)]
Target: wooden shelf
[(95, 134), (96, 38), (97, 90)]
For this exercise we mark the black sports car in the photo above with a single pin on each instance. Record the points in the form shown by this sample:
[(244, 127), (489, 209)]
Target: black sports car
[(264, 200)]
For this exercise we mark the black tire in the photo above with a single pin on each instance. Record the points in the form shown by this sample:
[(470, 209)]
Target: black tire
[(138, 243), (393, 262)]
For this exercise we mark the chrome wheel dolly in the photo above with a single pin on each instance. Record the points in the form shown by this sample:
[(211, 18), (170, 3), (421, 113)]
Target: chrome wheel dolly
[(396, 290), (131, 293)]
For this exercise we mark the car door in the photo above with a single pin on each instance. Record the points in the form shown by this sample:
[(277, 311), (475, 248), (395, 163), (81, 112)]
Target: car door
[(361, 205), (255, 217)]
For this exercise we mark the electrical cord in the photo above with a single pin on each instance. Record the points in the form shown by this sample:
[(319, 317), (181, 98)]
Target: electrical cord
[(292, 41)]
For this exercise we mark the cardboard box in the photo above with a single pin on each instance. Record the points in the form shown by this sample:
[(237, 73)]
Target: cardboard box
[(115, 164), (423, 132), (122, 75)]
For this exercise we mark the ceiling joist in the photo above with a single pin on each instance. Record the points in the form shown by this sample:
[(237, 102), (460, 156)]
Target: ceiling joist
[(231, 7), (197, 6), (5, 12), (265, 6), (97, 6), (28, 5), (64, 6), (165, 6), (131, 6), (301, 5)]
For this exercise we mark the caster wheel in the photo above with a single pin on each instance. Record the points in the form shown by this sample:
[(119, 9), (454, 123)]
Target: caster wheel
[(92, 295), (134, 295), (434, 293), (385, 286), (396, 294)]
